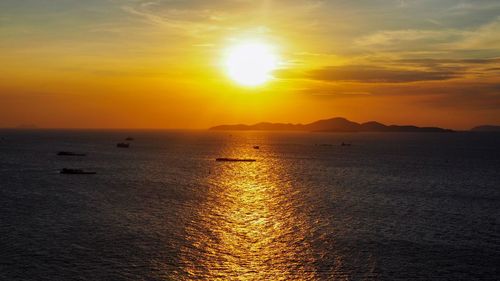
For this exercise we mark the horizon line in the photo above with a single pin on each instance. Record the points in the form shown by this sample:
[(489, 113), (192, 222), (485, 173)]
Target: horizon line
[(33, 126)]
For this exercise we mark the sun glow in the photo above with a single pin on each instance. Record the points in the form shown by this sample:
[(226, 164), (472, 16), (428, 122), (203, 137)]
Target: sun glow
[(251, 63)]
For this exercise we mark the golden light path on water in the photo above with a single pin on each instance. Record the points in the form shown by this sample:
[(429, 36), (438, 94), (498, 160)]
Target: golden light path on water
[(251, 225)]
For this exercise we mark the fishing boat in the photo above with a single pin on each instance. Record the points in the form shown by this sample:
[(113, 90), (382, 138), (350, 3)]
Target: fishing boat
[(69, 153), (123, 145), (234, 160), (76, 172)]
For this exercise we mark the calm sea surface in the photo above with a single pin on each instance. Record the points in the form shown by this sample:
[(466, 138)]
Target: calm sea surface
[(390, 207)]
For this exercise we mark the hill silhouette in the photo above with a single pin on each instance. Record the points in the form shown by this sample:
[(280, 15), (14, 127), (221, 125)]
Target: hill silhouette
[(486, 128), (337, 124)]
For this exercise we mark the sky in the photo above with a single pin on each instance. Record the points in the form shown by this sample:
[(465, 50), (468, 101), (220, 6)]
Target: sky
[(159, 63)]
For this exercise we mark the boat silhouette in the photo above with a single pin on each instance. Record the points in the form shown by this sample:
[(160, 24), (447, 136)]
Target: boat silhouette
[(234, 160), (69, 153), (123, 145), (76, 172)]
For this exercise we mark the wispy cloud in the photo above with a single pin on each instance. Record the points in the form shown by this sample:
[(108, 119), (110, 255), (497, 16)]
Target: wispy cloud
[(373, 74), (186, 22), (402, 70), (484, 37), (402, 39)]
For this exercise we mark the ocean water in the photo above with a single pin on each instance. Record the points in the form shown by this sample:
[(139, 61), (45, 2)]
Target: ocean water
[(392, 206)]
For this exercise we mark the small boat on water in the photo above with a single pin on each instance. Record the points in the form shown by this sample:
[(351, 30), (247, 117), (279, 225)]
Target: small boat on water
[(76, 172), (69, 153), (123, 145), (256, 147), (234, 160)]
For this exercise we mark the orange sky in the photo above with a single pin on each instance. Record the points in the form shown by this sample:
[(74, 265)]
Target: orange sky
[(158, 64)]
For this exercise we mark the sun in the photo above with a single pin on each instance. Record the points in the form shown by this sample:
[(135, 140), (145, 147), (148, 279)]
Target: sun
[(251, 63)]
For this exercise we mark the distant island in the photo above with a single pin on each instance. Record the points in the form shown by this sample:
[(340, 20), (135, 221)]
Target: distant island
[(486, 128), (337, 124)]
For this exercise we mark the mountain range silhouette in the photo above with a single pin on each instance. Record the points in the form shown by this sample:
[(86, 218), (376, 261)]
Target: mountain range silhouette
[(337, 124)]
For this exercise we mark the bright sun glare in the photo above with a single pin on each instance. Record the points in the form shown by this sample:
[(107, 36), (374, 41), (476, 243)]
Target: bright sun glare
[(251, 63)]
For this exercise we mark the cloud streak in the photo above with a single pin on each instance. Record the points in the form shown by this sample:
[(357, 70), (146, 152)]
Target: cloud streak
[(373, 74)]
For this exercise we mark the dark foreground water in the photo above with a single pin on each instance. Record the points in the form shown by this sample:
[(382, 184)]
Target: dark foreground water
[(390, 207)]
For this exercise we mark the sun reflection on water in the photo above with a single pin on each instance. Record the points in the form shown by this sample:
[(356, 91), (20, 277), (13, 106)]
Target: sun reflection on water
[(248, 228)]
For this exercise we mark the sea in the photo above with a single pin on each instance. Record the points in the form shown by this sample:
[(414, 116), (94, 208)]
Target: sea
[(389, 206)]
